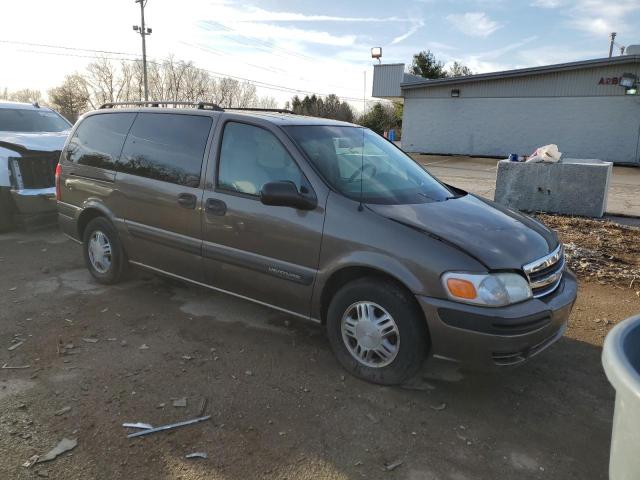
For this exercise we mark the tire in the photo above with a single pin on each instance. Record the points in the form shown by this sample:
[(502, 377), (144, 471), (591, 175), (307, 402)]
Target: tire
[(7, 211), (410, 338), (105, 268)]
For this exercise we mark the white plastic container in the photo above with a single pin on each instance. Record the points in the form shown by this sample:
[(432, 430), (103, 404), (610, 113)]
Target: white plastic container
[(621, 361)]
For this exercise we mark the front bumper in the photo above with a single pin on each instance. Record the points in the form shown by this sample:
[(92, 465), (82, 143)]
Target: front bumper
[(30, 201), (486, 337)]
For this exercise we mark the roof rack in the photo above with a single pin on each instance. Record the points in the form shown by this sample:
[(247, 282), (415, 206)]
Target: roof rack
[(274, 110), (164, 103), (199, 105)]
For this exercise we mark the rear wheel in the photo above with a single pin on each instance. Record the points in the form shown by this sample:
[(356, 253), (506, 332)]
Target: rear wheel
[(103, 252), (376, 331)]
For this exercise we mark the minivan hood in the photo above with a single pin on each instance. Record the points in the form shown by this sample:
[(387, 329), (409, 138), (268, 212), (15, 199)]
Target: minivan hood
[(496, 236), (39, 141)]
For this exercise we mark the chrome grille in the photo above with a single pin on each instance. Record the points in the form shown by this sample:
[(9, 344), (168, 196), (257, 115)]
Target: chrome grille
[(545, 273)]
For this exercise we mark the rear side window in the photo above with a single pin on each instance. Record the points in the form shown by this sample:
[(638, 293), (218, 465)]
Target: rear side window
[(98, 140), (252, 156), (166, 147)]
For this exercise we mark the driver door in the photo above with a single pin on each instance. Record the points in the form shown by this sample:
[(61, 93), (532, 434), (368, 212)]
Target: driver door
[(267, 253)]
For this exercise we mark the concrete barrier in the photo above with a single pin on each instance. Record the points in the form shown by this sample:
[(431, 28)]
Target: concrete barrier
[(571, 187)]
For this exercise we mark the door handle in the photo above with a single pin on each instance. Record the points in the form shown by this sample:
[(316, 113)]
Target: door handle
[(215, 207), (187, 200)]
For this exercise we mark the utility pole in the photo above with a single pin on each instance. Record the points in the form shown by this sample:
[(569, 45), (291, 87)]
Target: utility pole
[(364, 94), (143, 31), (613, 38)]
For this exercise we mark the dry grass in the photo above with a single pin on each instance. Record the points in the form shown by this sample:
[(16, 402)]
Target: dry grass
[(600, 251)]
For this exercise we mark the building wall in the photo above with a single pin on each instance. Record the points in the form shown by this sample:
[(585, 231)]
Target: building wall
[(571, 83), (605, 127)]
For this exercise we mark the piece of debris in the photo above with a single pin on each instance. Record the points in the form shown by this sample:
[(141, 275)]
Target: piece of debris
[(358, 463), (438, 408), (140, 425), (123, 343), (203, 406), (15, 345), (13, 289), (63, 446), (62, 411), (19, 367), (196, 455), (168, 427), (104, 310), (90, 340), (30, 462), (187, 357), (389, 467), (42, 473), (372, 418), (161, 405), (180, 402), (144, 346), (248, 373)]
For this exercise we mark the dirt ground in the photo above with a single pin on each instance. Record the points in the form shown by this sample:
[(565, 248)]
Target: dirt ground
[(281, 407)]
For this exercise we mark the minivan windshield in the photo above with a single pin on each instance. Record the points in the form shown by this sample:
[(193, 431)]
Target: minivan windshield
[(24, 120), (363, 165)]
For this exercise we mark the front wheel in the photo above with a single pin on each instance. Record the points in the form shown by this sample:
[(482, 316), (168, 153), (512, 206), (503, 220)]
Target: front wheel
[(103, 253), (376, 331)]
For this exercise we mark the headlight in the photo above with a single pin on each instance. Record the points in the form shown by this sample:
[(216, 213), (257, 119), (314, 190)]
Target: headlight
[(488, 289)]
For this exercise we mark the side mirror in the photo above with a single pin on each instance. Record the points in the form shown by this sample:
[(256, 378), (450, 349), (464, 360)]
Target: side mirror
[(285, 194)]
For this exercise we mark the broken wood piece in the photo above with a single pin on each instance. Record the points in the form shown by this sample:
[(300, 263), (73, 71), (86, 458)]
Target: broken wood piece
[(64, 445)]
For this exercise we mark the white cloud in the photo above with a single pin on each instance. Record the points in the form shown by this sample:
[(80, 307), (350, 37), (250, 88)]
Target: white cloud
[(547, 3), (255, 14), (600, 17), (414, 28), (474, 24)]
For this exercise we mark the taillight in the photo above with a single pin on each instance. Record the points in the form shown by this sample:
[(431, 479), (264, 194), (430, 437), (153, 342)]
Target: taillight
[(58, 173)]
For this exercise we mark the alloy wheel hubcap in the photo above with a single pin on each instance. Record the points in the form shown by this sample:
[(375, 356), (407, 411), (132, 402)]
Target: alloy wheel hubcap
[(99, 249), (370, 334)]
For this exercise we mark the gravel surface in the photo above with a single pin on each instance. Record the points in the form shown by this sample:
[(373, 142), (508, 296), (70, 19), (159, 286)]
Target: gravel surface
[(281, 407)]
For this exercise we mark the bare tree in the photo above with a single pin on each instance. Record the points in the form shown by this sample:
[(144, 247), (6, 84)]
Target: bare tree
[(26, 95), (71, 98)]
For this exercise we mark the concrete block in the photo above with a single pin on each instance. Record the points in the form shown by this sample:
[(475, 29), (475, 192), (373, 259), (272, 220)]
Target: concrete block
[(570, 187)]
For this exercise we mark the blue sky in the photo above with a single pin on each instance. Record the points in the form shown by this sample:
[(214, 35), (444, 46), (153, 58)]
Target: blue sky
[(311, 46)]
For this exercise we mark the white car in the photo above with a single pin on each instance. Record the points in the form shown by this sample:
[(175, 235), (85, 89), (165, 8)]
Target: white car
[(31, 139)]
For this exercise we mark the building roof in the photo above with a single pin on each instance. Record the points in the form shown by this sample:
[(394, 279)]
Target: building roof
[(598, 62)]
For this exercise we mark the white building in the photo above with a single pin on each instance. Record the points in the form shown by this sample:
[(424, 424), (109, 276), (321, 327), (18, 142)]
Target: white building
[(580, 106)]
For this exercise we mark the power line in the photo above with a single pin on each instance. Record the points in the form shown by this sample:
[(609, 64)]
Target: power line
[(66, 48), (257, 83)]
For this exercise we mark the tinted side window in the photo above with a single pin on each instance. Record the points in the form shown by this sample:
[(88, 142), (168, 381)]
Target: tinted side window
[(98, 140), (252, 156), (166, 147)]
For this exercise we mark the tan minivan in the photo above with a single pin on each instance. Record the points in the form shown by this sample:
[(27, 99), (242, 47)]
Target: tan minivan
[(321, 219)]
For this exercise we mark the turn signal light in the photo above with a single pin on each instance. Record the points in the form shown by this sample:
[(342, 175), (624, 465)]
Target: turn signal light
[(461, 288)]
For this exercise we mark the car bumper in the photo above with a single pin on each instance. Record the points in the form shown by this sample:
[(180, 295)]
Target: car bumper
[(485, 337), (31, 201)]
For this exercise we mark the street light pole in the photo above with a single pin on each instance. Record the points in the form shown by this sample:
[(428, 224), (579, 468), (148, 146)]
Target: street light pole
[(613, 39), (143, 31)]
